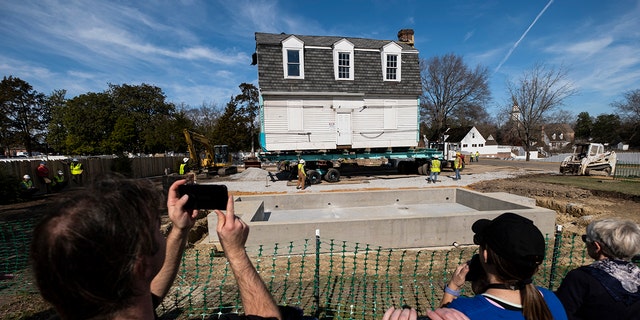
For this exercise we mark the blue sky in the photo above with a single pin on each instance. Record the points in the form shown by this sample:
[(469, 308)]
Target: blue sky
[(200, 51)]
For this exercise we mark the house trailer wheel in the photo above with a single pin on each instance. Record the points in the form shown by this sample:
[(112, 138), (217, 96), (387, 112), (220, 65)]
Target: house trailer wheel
[(314, 177), (426, 169), (332, 175)]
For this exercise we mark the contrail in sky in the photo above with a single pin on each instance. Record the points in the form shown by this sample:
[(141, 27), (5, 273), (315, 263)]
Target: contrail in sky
[(515, 45)]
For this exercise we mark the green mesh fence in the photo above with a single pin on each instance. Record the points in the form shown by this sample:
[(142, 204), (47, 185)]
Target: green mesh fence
[(327, 278), (334, 279)]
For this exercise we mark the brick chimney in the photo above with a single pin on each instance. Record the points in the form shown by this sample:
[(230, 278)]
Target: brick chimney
[(406, 36)]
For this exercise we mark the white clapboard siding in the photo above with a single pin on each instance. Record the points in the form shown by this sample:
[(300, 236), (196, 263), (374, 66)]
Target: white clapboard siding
[(371, 123)]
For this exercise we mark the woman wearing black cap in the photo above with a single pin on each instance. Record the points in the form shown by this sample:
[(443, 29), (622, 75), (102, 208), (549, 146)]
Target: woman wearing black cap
[(511, 249)]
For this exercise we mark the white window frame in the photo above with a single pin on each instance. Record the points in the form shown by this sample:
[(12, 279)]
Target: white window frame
[(345, 47), (295, 44), (391, 49)]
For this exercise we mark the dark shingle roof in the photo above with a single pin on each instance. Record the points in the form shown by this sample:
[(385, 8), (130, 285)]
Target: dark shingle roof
[(326, 41), (457, 134), (319, 69)]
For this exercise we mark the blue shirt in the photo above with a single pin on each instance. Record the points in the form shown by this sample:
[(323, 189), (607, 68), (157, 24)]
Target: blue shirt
[(479, 307)]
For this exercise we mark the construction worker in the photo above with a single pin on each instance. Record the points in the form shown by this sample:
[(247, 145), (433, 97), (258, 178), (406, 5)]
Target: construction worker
[(183, 166), (26, 186), (435, 169), (302, 175), (58, 183), (457, 165), (477, 155), (76, 171), (43, 175)]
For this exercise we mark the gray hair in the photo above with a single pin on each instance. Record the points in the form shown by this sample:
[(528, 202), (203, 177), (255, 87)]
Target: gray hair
[(620, 239)]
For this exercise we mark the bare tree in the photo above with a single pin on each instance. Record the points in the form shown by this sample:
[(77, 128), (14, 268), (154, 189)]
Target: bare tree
[(630, 106), (535, 95), (449, 87)]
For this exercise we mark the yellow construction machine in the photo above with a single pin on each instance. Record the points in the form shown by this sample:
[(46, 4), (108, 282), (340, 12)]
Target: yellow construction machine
[(216, 160)]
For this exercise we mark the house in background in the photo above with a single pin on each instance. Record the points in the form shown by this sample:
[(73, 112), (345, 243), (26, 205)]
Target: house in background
[(328, 92), (622, 146), (557, 136), (468, 140)]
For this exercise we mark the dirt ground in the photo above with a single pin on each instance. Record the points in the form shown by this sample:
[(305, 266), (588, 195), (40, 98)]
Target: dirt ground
[(576, 207)]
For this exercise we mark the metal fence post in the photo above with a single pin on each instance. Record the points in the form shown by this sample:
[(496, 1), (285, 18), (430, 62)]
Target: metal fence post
[(554, 258), (316, 277)]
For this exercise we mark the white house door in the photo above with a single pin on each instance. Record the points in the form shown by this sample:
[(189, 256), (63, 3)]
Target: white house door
[(343, 129)]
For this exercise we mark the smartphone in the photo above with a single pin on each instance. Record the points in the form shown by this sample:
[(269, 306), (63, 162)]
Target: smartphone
[(475, 269), (204, 196)]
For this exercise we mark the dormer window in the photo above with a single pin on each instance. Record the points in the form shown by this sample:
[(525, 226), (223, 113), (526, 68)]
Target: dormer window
[(293, 58), (343, 60), (391, 62)]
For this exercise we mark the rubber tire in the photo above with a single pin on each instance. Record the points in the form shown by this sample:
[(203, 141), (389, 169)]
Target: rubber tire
[(421, 170), (314, 177), (607, 171), (402, 167), (332, 175), (426, 169)]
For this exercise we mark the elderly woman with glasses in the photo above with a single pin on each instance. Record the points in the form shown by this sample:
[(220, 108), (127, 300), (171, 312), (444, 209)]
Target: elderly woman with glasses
[(609, 288)]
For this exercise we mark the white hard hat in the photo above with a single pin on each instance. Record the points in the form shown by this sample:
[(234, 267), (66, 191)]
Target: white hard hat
[(435, 156), (60, 172), (26, 176), (75, 160), (185, 159), (302, 161)]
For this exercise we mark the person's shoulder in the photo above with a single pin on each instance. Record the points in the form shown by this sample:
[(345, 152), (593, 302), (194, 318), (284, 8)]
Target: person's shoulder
[(553, 303), (466, 304)]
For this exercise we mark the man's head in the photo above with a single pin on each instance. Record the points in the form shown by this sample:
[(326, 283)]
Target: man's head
[(60, 172), (92, 251), (26, 177)]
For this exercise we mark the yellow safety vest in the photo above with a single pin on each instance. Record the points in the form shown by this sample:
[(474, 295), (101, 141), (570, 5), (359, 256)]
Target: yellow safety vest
[(435, 165), (301, 169), (182, 166), (76, 169)]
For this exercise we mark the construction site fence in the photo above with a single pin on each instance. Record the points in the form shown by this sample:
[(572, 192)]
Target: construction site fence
[(326, 278), (627, 171), (141, 167)]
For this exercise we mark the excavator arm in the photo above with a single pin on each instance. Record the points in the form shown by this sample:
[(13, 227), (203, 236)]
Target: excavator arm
[(216, 159), (190, 137)]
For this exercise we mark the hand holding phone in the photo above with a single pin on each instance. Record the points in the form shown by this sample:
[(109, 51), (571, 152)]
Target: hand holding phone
[(204, 196)]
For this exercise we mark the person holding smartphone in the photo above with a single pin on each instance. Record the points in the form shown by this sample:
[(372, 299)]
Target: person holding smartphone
[(99, 252)]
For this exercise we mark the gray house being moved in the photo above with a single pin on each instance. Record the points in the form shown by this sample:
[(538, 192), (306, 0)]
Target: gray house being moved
[(330, 93)]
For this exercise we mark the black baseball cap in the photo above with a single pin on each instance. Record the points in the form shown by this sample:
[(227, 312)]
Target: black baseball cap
[(512, 237)]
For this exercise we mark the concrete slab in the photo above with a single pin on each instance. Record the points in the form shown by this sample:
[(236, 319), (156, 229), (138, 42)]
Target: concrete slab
[(391, 219), (249, 209)]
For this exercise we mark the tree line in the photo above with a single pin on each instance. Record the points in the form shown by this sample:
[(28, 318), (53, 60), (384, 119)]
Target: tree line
[(139, 119), (122, 119)]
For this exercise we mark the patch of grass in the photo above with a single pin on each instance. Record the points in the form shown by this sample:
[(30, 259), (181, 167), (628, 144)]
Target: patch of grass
[(599, 183)]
